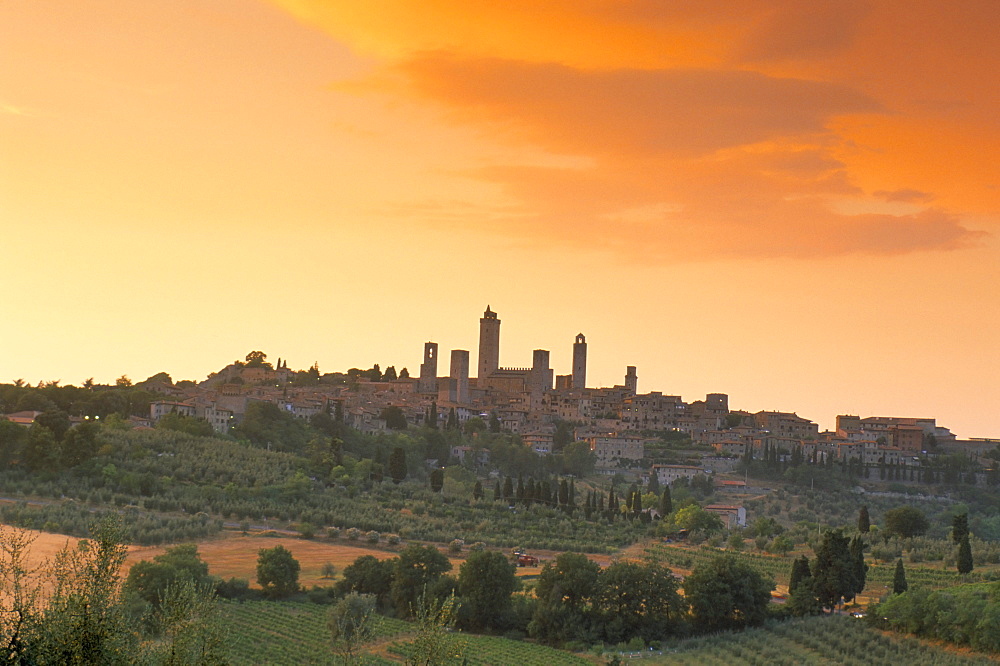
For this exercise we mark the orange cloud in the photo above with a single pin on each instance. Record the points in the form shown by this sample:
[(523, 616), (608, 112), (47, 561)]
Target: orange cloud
[(718, 128)]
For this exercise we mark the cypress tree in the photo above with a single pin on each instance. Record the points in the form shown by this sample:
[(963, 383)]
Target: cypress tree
[(520, 490), (899, 578), (654, 484), (860, 568), (960, 527), (530, 491), (497, 495), (437, 480), (964, 556), (800, 572), (637, 503), (864, 521), (397, 465), (477, 491), (666, 503), (432, 415), (563, 493), (572, 493), (508, 489)]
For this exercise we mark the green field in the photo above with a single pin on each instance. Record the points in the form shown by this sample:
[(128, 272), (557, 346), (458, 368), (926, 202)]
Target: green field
[(819, 640), (269, 632)]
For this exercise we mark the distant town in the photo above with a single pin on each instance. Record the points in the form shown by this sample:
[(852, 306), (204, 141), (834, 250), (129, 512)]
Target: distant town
[(617, 422)]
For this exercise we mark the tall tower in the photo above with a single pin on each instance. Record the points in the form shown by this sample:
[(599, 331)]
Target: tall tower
[(429, 369), (631, 380), (460, 374), (580, 362), (541, 373), (489, 344)]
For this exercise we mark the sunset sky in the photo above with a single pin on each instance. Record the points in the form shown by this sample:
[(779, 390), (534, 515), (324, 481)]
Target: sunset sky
[(795, 203)]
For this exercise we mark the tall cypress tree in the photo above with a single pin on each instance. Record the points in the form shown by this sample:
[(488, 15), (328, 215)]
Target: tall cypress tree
[(800, 572), (864, 521), (497, 493), (666, 503), (899, 578), (508, 489), (397, 465), (964, 556), (860, 568), (477, 491)]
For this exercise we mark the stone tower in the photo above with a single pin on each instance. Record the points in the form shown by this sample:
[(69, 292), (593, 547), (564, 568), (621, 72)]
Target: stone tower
[(541, 374), (489, 344), (460, 374), (429, 369), (580, 362), (631, 380)]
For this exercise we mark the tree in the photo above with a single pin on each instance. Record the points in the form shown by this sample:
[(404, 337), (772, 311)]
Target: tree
[(654, 484), (802, 599), (277, 572), (857, 549), (725, 593), (394, 418), (437, 479), (864, 522), (390, 374), (149, 580), (899, 578), (416, 568), (638, 600), (397, 465), (352, 623), (800, 572), (85, 621), (485, 582), (905, 522), (964, 560), (477, 491), (564, 589), (368, 575), (834, 570), (960, 527), (666, 503), (256, 359), (435, 644), (191, 624)]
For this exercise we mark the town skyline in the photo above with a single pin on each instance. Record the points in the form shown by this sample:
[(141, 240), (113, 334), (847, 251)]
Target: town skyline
[(571, 375), (797, 208)]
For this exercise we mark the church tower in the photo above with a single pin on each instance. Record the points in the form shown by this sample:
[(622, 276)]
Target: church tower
[(631, 380), (489, 344), (580, 362), (429, 369)]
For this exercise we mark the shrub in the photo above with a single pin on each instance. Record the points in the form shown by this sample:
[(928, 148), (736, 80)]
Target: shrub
[(476, 547), (353, 533), (372, 536), (456, 545), (333, 532), (392, 539)]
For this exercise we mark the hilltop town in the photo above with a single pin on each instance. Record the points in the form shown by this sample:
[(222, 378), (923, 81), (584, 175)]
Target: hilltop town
[(547, 411)]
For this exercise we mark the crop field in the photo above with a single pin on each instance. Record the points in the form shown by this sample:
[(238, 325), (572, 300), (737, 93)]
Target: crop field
[(820, 640), (267, 632)]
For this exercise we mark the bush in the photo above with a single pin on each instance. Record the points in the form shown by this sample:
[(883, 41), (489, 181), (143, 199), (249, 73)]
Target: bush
[(456, 545), (372, 536), (392, 539), (353, 533), (477, 546), (333, 532)]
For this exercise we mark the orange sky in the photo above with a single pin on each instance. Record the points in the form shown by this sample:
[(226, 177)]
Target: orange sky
[(793, 203)]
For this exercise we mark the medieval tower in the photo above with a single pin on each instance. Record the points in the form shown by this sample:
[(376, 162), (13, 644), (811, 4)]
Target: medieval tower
[(489, 344), (631, 380), (429, 369), (580, 362)]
